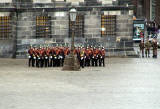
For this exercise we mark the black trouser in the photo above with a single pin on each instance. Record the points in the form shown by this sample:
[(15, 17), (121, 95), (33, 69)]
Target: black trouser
[(50, 62), (92, 61), (29, 61), (55, 62), (103, 61), (46, 62), (154, 53), (87, 62), (37, 62), (100, 61), (82, 63), (142, 51), (58, 62), (41, 62), (95, 61), (33, 62), (61, 61)]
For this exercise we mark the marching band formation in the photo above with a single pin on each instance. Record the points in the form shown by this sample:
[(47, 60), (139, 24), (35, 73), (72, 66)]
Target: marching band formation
[(55, 56)]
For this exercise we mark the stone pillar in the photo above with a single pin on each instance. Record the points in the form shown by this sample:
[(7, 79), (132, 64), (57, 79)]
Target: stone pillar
[(26, 30), (60, 27), (7, 46), (124, 35), (92, 29)]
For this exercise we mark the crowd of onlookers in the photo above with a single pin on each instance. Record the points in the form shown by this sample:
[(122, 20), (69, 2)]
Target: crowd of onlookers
[(152, 41), (145, 48)]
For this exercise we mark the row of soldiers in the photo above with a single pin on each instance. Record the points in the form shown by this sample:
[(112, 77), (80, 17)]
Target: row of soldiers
[(145, 47), (55, 56)]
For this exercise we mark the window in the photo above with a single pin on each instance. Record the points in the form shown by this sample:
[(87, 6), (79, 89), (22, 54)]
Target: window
[(79, 26), (108, 25), (5, 27), (43, 27)]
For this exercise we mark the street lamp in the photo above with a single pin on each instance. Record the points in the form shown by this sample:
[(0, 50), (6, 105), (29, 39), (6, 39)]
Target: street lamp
[(73, 15), (71, 62)]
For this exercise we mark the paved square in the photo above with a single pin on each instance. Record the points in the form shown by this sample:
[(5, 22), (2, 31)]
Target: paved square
[(125, 83)]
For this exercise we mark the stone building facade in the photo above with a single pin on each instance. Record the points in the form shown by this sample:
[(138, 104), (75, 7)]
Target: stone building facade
[(39, 22), (157, 19)]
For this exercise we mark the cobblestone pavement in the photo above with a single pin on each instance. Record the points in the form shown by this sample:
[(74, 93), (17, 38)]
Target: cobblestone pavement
[(125, 83)]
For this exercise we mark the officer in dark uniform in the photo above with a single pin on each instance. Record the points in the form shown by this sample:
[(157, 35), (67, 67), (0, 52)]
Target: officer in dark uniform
[(147, 48), (155, 46), (141, 45)]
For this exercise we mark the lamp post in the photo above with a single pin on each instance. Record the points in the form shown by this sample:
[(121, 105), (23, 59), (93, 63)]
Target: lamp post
[(73, 15), (71, 62)]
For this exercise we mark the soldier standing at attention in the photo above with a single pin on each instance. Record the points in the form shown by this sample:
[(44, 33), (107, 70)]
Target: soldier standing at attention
[(103, 56), (36, 55), (47, 54), (30, 52), (141, 46), (87, 59), (82, 55), (147, 48)]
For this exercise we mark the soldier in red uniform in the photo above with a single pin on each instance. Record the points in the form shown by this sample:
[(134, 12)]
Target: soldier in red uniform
[(87, 59), (52, 53), (95, 57), (66, 51), (90, 51), (91, 55), (103, 54), (47, 54), (61, 55), (41, 55), (36, 56), (99, 56), (56, 57), (30, 52)]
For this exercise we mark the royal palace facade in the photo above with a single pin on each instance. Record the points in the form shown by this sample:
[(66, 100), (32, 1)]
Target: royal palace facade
[(46, 22)]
